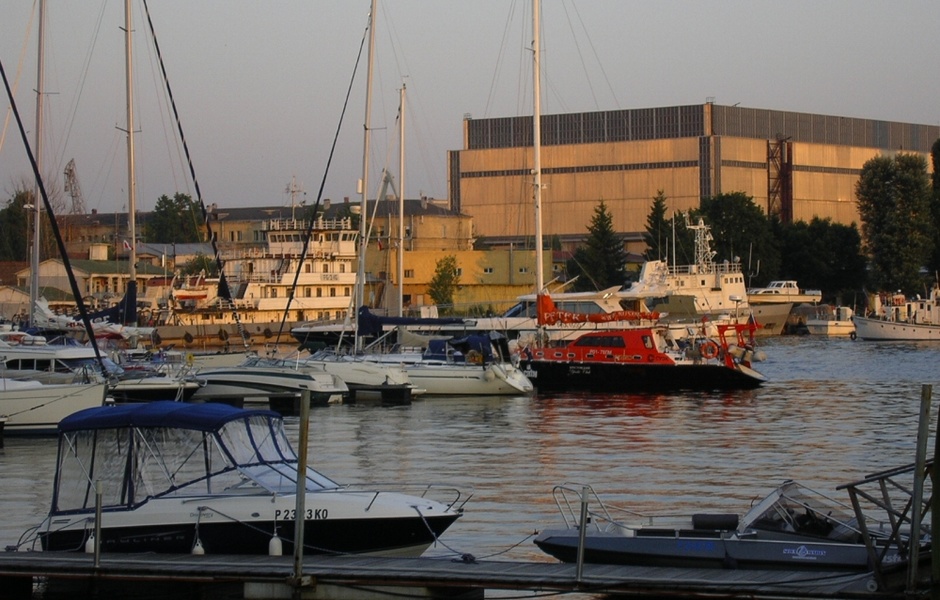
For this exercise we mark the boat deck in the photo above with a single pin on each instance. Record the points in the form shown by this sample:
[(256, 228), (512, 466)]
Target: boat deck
[(272, 576)]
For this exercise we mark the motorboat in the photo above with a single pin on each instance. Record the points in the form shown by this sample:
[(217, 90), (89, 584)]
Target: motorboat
[(175, 477), (793, 527), (784, 290), (366, 380), (31, 407), (832, 321), (472, 365), (70, 362), (894, 317), (643, 358), (258, 380)]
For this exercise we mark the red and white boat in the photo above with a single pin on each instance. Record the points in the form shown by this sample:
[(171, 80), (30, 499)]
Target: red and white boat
[(646, 359)]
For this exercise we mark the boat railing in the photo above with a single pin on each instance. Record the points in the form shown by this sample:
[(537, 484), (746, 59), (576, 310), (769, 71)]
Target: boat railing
[(606, 517), (445, 493)]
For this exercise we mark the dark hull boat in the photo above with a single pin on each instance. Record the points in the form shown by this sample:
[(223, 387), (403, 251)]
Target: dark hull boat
[(646, 359), (793, 528), (211, 478)]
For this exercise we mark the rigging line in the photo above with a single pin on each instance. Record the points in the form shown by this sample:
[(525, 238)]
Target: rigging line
[(224, 291), (73, 283), (19, 71), (329, 161), (596, 57), (502, 47), (580, 55), (86, 65)]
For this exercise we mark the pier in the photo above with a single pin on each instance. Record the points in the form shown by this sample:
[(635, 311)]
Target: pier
[(337, 577)]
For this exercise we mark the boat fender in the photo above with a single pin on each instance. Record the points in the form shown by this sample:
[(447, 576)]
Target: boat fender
[(190, 359), (275, 547), (197, 548), (90, 544), (852, 335), (188, 338), (720, 521), (499, 372), (709, 349), (268, 333), (223, 335), (489, 375)]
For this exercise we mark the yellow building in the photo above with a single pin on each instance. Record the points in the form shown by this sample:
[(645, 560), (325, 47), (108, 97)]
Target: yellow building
[(795, 165)]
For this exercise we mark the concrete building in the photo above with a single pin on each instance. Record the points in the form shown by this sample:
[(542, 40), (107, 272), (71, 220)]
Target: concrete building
[(795, 165)]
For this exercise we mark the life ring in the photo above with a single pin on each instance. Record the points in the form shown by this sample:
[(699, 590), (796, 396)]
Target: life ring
[(268, 333), (188, 338), (709, 349)]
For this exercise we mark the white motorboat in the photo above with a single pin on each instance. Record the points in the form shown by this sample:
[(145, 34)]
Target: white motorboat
[(258, 381), (215, 479), (366, 380), (71, 363), (894, 317), (783, 291), (474, 365), (832, 321), (34, 408)]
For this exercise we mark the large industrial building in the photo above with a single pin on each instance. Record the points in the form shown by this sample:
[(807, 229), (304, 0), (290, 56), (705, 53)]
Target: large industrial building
[(795, 165)]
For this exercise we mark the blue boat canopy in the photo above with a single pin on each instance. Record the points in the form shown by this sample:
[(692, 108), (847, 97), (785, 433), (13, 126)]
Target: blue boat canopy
[(208, 416)]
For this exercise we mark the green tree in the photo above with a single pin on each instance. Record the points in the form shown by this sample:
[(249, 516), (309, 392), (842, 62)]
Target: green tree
[(935, 207), (175, 220), (200, 264), (600, 261), (823, 255), (742, 232), (894, 202), (442, 286), (14, 222), (657, 229)]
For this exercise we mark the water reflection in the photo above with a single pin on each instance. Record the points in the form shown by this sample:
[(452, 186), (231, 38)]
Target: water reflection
[(833, 411)]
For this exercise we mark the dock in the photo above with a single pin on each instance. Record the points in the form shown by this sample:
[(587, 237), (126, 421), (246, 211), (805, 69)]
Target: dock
[(75, 575)]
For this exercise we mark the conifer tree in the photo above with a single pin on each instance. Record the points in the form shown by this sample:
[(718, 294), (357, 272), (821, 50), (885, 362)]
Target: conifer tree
[(600, 261)]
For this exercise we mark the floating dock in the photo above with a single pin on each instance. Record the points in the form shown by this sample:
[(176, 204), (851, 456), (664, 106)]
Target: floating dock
[(336, 577)]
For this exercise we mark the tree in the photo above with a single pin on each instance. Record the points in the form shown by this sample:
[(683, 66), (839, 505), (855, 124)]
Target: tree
[(742, 232), (442, 286), (200, 264), (176, 220), (657, 229), (823, 255), (893, 196), (935, 207), (14, 220), (600, 261)]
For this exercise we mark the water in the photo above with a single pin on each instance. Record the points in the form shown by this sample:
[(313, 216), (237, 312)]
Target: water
[(833, 411)]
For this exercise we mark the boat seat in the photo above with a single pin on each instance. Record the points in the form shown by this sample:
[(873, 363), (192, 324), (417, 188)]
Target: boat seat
[(723, 521)]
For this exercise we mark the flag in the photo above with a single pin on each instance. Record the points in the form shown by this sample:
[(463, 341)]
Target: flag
[(127, 245)]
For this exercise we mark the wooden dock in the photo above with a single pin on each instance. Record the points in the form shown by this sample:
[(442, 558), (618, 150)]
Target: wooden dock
[(263, 577)]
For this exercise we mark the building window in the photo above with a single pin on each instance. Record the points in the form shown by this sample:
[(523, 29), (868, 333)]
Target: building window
[(326, 267), (346, 291), (410, 273), (274, 292), (488, 270), (523, 269), (332, 292), (319, 292), (306, 292), (459, 271)]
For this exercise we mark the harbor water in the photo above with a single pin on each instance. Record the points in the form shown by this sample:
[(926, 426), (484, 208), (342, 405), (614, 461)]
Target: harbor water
[(833, 411)]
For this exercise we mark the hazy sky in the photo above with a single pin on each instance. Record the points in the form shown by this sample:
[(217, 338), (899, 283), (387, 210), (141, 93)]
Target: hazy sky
[(260, 85)]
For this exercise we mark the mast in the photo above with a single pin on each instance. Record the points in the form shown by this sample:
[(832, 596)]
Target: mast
[(37, 199), (364, 182), (401, 207), (537, 145), (131, 180)]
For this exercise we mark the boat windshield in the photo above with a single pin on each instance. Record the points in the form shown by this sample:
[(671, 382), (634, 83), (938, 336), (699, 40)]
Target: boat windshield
[(134, 464), (796, 509)]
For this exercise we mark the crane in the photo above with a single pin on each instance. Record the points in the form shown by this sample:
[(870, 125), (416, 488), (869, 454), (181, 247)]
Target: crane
[(73, 189)]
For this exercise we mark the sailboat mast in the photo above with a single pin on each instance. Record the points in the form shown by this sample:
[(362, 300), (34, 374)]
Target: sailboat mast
[(537, 144), (401, 206), (131, 180), (37, 199), (364, 182)]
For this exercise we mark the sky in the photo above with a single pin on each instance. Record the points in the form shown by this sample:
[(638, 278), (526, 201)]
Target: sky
[(261, 85)]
